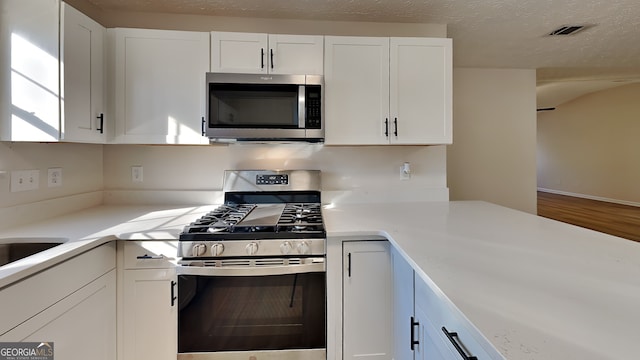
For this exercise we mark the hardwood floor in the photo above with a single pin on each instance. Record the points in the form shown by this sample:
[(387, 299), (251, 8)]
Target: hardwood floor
[(615, 219)]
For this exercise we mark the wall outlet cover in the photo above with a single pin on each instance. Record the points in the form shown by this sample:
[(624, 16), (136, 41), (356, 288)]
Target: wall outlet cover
[(136, 173), (25, 180), (54, 177)]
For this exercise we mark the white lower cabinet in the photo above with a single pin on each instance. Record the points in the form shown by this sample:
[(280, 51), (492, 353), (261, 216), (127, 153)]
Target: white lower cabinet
[(72, 304), (80, 326), (415, 334), (421, 316), (367, 323), (150, 318), (149, 305)]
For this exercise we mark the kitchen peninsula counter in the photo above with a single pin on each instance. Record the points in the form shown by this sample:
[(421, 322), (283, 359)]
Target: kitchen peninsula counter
[(535, 288)]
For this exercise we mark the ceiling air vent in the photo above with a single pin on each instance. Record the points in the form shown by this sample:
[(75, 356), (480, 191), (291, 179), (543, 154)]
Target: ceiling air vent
[(567, 30)]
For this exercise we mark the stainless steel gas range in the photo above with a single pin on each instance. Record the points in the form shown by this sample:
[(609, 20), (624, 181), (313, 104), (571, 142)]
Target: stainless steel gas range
[(252, 275)]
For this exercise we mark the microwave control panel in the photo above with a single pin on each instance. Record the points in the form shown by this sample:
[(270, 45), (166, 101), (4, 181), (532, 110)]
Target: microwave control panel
[(313, 107)]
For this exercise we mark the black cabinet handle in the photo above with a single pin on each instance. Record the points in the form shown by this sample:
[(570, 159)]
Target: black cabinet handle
[(414, 342), (395, 128), (261, 58), (101, 128), (202, 127), (386, 127), (271, 51), (349, 264), (173, 293), (451, 336), (149, 257)]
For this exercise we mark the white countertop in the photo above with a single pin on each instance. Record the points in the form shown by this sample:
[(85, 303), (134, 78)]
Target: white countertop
[(536, 288)]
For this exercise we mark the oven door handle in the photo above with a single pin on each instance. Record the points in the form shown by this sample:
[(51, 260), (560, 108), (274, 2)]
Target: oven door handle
[(263, 270)]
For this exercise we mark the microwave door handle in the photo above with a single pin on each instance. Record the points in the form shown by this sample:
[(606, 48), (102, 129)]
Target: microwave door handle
[(302, 107)]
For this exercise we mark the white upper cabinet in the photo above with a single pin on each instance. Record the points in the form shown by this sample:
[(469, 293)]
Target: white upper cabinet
[(356, 90), (29, 70), (83, 75), (388, 91), (420, 100), (256, 53), (159, 85)]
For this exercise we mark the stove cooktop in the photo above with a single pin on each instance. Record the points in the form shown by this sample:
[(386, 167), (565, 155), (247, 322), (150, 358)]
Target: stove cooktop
[(258, 221), (267, 213)]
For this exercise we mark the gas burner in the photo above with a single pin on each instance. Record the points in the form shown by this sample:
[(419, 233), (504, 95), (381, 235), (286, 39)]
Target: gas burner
[(260, 209)]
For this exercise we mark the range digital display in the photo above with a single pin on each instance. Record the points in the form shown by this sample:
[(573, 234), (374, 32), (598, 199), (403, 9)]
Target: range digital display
[(272, 179)]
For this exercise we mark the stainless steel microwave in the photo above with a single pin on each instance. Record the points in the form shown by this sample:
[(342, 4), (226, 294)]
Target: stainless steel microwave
[(259, 107)]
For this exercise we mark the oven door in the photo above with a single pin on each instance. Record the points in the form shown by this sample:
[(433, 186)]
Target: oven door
[(257, 313)]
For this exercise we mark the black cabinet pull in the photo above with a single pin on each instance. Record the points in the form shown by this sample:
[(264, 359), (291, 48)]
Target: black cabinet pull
[(202, 127), (386, 127), (271, 51), (450, 336), (414, 342), (173, 293), (261, 58), (349, 264), (149, 257), (395, 128), (101, 128)]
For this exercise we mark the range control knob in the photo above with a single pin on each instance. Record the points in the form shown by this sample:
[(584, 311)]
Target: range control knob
[(304, 248), (217, 249), (198, 249), (285, 248), (251, 248)]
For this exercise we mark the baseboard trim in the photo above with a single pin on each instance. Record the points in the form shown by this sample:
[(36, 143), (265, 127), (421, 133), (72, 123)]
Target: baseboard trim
[(590, 197)]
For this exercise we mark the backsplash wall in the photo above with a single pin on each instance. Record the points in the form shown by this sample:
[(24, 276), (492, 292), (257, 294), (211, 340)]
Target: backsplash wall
[(372, 172), (81, 169)]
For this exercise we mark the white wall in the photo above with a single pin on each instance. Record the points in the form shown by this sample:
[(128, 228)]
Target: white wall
[(81, 169), (372, 172), (590, 146), (493, 156)]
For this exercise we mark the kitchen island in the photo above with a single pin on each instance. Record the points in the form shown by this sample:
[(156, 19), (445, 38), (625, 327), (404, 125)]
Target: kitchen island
[(534, 287)]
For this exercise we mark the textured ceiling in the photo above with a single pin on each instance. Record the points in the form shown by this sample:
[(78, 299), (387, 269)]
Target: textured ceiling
[(486, 33)]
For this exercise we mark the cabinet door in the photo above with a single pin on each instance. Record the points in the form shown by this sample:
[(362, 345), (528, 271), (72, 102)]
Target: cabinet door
[(29, 70), (239, 52), (421, 91), (160, 86), (431, 343), (149, 315), (367, 288), (356, 90), (296, 54), (83, 68), (402, 307), (81, 326)]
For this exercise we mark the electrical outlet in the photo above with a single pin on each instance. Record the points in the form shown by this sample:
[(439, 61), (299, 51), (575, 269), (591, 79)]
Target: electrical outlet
[(54, 177), (136, 173), (405, 171), (25, 180)]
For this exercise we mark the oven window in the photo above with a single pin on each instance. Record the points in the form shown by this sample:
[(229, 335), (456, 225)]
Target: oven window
[(253, 106), (276, 312)]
